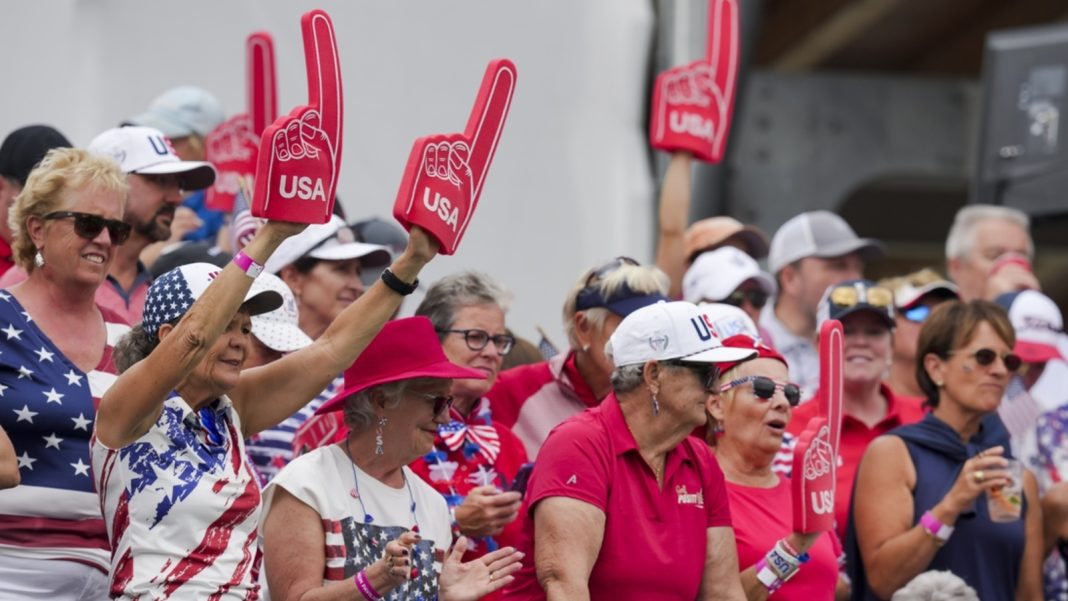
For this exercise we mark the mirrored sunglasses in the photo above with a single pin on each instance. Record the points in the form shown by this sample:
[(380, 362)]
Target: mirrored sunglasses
[(917, 314), (850, 296)]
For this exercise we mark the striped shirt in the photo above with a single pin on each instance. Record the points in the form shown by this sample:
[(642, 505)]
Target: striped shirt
[(47, 407)]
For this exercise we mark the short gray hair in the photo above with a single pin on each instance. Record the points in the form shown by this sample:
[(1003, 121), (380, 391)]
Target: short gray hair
[(627, 378), (936, 586), (961, 237), (359, 414), (456, 291)]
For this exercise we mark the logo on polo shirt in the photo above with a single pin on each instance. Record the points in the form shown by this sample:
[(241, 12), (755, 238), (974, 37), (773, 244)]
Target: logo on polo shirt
[(687, 498), (572, 480)]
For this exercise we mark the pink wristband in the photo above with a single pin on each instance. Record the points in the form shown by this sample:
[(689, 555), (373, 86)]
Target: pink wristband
[(364, 586), (939, 531), (247, 264)]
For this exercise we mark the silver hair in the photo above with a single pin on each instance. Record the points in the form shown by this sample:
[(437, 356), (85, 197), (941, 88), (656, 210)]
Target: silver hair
[(961, 237), (627, 378), (456, 291), (360, 414), (642, 279), (936, 586)]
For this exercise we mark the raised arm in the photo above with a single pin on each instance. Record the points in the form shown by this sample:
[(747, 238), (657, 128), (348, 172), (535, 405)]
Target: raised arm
[(9, 465), (134, 401), (720, 581), (674, 213), (754, 590), (567, 540), (267, 395)]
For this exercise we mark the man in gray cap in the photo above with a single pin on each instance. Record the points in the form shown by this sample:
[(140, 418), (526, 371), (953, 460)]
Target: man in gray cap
[(19, 154), (809, 253)]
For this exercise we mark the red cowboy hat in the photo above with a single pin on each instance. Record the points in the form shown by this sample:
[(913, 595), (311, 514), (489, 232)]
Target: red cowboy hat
[(404, 349)]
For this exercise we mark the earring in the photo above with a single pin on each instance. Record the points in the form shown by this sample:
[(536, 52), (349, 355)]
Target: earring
[(585, 348), (38, 259), (379, 449), (656, 405), (939, 384)]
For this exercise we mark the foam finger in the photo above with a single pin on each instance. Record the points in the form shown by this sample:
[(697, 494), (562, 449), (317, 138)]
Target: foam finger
[(324, 71), (262, 89), (487, 118)]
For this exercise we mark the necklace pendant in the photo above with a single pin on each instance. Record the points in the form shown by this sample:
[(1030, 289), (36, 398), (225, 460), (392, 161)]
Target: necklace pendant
[(354, 494)]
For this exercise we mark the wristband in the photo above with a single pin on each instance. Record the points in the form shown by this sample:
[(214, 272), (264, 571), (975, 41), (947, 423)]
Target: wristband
[(364, 586), (767, 577), (398, 285), (247, 264), (938, 531), (782, 563)]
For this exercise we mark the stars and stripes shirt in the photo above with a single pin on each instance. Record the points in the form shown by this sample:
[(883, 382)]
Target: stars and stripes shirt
[(47, 407), (182, 507)]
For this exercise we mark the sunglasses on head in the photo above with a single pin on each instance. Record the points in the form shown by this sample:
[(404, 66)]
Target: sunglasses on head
[(764, 388), (442, 402), (478, 339), (707, 373), (757, 298), (89, 226), (848, 296), (985, 357)]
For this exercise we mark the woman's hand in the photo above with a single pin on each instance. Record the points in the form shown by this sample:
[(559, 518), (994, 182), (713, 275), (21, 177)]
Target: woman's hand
[(478, 577), (422, 247), (979, 474), (486, 511), (394, 568), (280, 230)]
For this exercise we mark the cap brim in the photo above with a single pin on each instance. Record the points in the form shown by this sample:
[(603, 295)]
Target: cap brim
[(1034, 352), (625, 306), (371, 255), (869, 249), (193, 175), (889, 321), (263, 301), (720, 354), (443, 370), (942, 289), (280, 336)]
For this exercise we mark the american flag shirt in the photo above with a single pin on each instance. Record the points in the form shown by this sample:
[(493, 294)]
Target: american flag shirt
[(47, 407), (182, 506), (324, 480)]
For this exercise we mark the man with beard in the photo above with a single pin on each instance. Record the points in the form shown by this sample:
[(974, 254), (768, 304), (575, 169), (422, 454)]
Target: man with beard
[(156, 177)]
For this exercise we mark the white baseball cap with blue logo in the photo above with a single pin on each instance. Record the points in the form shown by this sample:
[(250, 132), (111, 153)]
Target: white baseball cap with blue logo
[(147, 151), (671, 330)]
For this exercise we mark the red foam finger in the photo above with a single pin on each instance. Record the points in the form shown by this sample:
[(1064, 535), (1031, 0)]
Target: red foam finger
[(324, 73), (488, 115), (723, 57), (261, 89), (832, 343)]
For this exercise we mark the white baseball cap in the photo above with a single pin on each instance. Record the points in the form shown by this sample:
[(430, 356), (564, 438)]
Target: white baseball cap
[(183, 111), (279, 329), (820, 234), (670, 330), (330, 241), (729, 320), (717, 273), (906, 295), (1038, 324), (147, 151)]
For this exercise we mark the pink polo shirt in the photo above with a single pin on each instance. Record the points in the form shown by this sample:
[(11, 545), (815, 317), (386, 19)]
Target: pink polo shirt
[(654, 539)]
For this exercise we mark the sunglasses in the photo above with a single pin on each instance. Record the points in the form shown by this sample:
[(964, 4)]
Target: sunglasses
[(478, 339), (757, 298), (917, 314), (442, 402), (764, 388), (707, 373), (89, 226), (845, 297), (986, 357)]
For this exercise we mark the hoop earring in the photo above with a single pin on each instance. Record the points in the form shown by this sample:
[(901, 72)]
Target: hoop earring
[(379, 448)]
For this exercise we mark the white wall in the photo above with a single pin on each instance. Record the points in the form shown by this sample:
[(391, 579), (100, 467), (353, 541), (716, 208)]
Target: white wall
[(571, 183)]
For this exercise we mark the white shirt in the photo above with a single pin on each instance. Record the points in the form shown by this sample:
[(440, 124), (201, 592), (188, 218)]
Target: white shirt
[(801, 353)]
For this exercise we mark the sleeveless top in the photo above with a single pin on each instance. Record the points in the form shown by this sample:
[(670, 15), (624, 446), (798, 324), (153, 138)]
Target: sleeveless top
[(983, 553)]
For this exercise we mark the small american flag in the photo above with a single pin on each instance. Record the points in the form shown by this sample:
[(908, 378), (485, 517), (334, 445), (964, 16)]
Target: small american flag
[(547, 349)]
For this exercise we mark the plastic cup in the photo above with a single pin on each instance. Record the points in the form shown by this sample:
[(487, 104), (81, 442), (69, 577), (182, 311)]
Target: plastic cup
[(1005, 503)]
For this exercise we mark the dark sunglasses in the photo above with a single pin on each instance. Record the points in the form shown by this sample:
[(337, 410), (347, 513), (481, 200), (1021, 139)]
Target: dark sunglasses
[(478, 339), (757, 298), (985, 357), (764, 388), (441, 402), (89, 226), (707, 373), (917, 314)]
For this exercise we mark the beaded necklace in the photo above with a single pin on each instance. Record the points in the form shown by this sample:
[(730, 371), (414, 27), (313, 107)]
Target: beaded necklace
[(368, 518)]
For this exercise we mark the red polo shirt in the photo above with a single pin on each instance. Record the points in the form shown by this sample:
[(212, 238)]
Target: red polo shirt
[(854, 439), (5, 256), (654, 539)]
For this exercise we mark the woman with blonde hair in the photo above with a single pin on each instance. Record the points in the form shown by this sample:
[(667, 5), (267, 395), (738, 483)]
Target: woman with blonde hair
[(55, 364)]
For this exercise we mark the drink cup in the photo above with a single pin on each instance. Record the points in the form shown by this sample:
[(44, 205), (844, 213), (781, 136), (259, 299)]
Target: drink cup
[(1005, 503)]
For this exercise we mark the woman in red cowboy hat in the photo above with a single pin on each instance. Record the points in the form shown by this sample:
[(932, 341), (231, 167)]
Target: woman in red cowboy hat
[(747, 422), (354, 510)]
